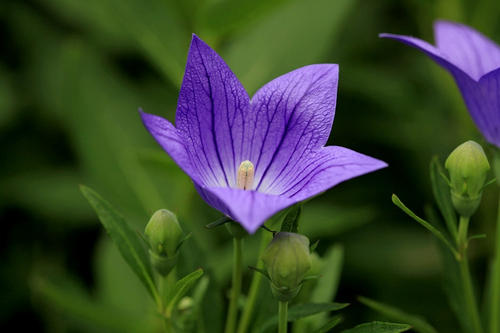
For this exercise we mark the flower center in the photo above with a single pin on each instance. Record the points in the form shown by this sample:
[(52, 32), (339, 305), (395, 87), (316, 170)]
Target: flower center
[(245, 175)]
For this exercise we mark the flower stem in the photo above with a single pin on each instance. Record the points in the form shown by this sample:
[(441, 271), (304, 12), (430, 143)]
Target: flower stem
[(463, 229), (283, 316), (495, 280), (236, 286), (469, 297), (254, 287)]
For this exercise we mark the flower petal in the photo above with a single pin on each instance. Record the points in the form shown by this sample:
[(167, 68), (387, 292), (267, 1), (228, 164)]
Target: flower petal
[(211, 112), (433, 52), (483, 101), (169, 139), (468, 49), (291, 116), (326, 168), (250, 208)]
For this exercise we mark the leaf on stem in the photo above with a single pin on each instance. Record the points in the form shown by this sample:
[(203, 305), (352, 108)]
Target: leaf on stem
[(441, 191), (331, 323), (291, 221), (425, 224), (378, 327), (181, 288), (393, 313), (128, 242)]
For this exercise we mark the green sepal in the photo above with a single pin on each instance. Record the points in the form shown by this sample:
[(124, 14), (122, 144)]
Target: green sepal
[(217, 223), (285, 294), (188, 236), (260, 271), (163, 264), (313, 246)]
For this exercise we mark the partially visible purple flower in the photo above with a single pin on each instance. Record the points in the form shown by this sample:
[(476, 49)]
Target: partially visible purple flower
[(252, 158), (474, 62)]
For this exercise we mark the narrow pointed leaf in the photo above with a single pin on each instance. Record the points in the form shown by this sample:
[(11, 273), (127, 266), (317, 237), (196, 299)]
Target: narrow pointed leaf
[(217, 223), (331, 323), (128, 242), (326, 286), (378, 327), (393, 313), (441, 192), (181, 288), (291, 221), (425, 224)]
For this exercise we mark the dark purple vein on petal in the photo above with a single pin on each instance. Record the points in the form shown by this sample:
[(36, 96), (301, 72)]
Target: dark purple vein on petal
[(230, 127), (199, 132), (287, 122), (212, 115), (269, 122)]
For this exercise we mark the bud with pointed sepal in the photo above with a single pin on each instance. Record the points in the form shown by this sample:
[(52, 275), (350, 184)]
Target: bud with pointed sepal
[(164, 235), (287, 260), (468, 167)]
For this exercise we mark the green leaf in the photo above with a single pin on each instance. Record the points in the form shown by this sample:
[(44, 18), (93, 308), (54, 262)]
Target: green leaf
[(127, 241), (425, 224), (418, 323), (291, 221), (303, 310), (327, 284), (331, 323), (441, 192), (198, 295), (181, 288), (378, 327)]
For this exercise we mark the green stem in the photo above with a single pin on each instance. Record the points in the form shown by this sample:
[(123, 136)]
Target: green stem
[(463, 230), (167, 326), (495, 281), (283, 316), (469, 297), (254, 286), (236, 286)]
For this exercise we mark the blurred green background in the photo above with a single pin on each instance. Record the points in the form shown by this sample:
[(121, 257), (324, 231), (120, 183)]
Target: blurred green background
[(72, 76)]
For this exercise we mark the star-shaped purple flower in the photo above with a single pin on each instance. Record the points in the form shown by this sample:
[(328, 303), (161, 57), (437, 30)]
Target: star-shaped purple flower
[(474, 62), (250, 158)]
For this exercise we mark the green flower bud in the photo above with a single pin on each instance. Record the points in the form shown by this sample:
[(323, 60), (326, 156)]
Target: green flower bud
[(164, 235), (287, 259), (468, 167)]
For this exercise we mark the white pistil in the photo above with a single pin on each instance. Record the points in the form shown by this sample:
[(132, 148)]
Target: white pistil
[(245, 175)]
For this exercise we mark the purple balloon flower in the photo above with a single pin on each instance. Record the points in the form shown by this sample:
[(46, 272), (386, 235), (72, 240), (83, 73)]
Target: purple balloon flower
[(474, 62), (250, 158)]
